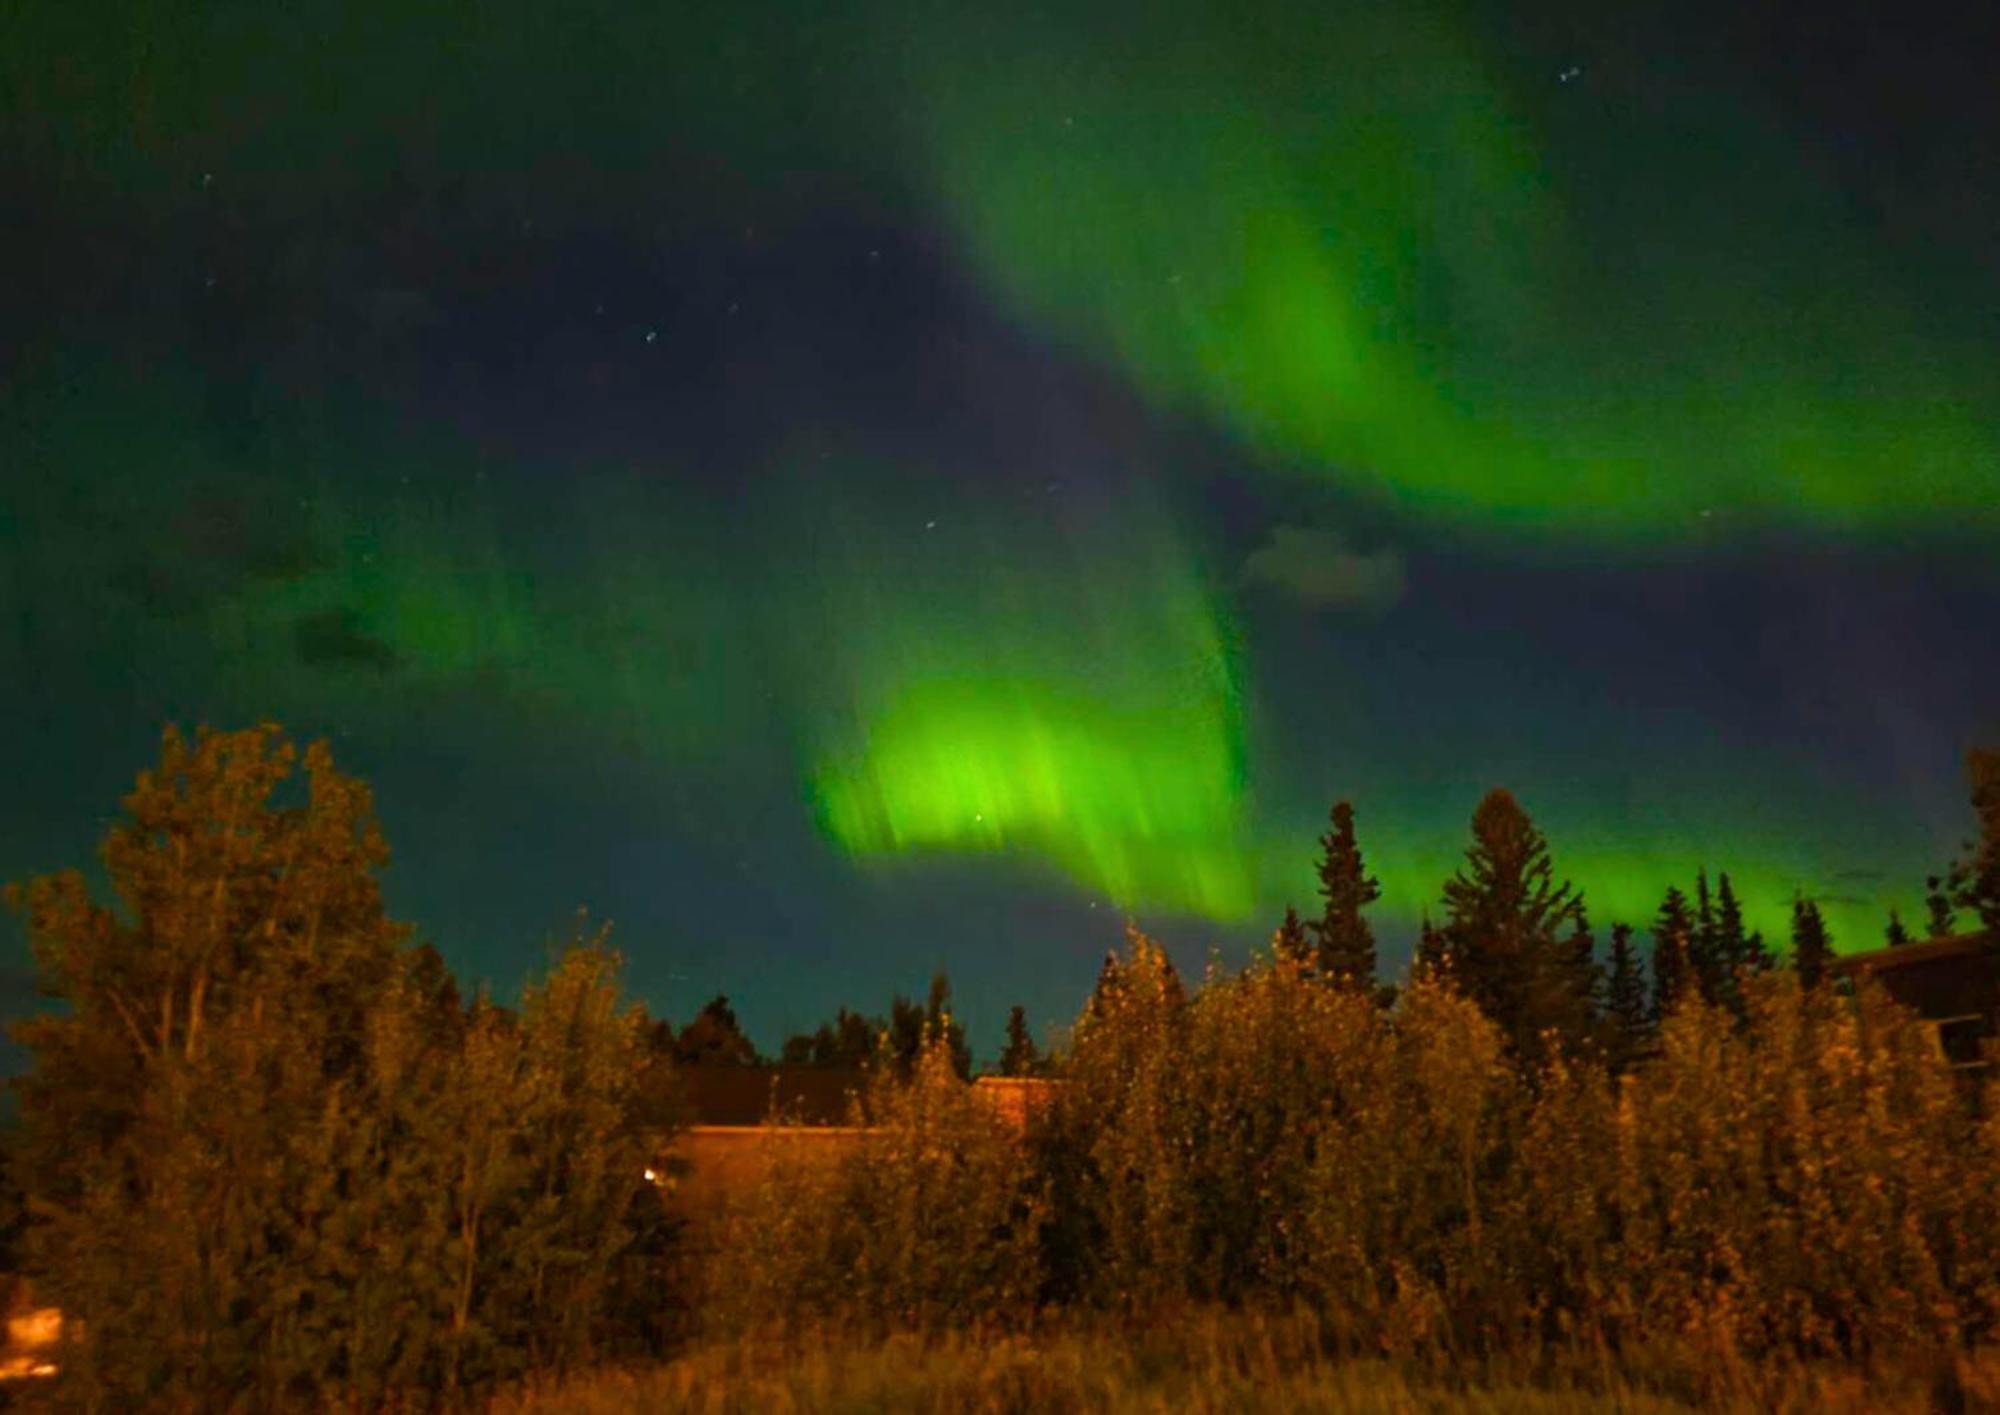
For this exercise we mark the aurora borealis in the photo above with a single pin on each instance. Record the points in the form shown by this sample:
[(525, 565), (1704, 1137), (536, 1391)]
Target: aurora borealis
[(844, 495)]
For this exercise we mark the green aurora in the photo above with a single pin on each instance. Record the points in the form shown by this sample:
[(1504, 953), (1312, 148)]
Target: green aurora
[(1360, 263), (1338, 233)]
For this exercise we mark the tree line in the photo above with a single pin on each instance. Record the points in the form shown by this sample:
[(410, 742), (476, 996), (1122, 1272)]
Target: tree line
[(268, 1153)]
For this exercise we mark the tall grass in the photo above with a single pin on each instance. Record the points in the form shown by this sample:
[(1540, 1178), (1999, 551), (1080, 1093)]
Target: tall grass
[(1211, 1360)]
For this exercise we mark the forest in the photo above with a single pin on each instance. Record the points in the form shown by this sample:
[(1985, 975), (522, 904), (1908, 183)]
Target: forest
[(268, 1154)]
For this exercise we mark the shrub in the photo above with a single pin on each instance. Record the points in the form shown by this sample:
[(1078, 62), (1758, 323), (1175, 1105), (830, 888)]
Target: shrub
[(928, 1218)]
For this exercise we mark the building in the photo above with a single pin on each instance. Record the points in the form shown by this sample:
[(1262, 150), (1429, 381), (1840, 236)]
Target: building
[(1952, 983), (744, 1119)]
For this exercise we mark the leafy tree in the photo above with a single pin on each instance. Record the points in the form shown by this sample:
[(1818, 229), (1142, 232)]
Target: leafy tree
[(1673, 964), (271, 1157), (1346, 953), (714, 1038), (1020, 1057), (1504, 933), (1628, 1022), (1291, 941), (1976, 878), (1812, 949)]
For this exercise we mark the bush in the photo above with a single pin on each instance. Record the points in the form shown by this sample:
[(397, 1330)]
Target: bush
[(930, 1217)]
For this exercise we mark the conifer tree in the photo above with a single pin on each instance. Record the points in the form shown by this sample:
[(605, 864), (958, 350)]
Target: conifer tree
[(1507, 932), (1291, 941), (1346, 943), (1625, 999), (1432, 954), (1706, 958), (1895, 934), (1673, 966), (714, 1038), (1741, 950), (1939, 920), (1812, 949), (1020, 1056)]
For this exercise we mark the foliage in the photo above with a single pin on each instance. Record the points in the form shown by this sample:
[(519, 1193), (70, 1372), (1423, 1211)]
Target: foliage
[(271, 1158), (1020, 1056), (1976, 879), (1504, 939), (1673, 947), (714, 1038), (853, 1040), (928, 1217), (1627, 1017), (1346, 953), (1812, 948)]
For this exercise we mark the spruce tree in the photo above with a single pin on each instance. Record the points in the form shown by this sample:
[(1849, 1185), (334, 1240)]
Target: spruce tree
[(1432, 954), (1812, 949), (1291, 942), (1346, 943), (1625, 999), (1939, 920), (1895, 934), (1740, 950), (1507, 932), (1673, 964), (714, 1038), (1703, 951), (1020, 1056)]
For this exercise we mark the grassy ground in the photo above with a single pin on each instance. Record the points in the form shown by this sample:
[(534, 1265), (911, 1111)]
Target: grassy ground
[(1217, 1364)]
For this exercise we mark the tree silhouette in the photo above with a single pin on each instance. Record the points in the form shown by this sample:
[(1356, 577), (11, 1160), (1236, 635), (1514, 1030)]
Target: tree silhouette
[(1625, 999), (1741, 950), (1812, 949), (1673, 965), (1507, 933), (1895, 934), (1939, 920), (1346, 944), (1291, 941), (1020, 1057), (714, 1038)]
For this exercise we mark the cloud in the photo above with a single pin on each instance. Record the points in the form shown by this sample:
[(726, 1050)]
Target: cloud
[(1320, 570), (335, 638)]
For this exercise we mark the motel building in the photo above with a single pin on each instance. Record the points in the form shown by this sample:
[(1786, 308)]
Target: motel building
[(1952, 983)]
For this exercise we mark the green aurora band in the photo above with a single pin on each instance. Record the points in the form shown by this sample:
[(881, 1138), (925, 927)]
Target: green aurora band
[(1336, 234), (1062, 689), (1011, 685)]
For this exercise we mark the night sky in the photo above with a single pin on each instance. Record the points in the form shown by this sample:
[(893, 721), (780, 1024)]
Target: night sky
[(843, 491)]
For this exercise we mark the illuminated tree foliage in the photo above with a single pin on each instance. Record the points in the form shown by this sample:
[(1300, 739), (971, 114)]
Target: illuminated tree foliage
[(272, 1156), (1977, 877)]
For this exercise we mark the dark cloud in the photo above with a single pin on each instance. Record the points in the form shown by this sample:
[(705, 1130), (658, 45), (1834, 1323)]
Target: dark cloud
[(1320, 570), (335, 638)]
